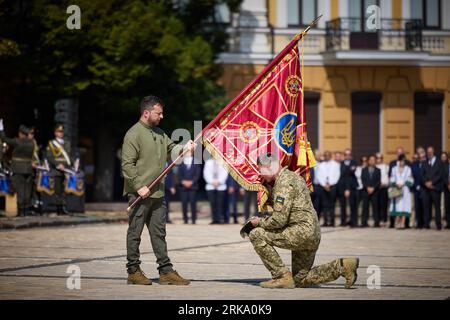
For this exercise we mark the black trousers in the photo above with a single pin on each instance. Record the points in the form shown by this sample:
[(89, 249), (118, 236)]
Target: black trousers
[(59, 190), (373, 200), (431, 198), (342, 205), (352, 201), (383, 204), (418, 207), (23, 184), (329, 202), (188, 197), (216, 200), (316, 198), (250, 199), (447, 205), (233, 198)]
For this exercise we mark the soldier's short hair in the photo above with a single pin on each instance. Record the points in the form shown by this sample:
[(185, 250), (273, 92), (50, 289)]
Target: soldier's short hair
[(266, 159), (148, 102)]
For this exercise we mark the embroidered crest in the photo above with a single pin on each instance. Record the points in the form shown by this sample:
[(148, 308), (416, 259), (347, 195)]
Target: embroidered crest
[(293, 85), (249, 132)]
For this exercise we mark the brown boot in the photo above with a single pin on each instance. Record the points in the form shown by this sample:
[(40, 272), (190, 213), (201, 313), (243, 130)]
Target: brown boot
[(349, 268), (138, 277), (285, 282), (173, 278)]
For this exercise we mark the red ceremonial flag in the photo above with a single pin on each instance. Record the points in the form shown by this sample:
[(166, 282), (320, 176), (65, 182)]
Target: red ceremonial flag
[(267, 116)]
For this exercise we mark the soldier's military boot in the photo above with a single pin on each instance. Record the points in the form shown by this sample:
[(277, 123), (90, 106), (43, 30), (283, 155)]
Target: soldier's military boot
[(173, 278), (138, 277), (285, 282), (349, 270)]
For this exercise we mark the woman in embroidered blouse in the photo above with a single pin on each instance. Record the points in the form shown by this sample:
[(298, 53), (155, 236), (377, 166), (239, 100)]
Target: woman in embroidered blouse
[(401, 177)]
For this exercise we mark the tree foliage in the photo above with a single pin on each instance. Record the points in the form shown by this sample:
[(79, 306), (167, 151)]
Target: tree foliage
[(124, 50)]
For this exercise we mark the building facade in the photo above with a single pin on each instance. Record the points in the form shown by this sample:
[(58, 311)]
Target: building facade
[(376, 76)]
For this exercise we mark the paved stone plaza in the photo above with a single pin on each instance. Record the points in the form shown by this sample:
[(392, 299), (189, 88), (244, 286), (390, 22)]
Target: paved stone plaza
[(415, 264)]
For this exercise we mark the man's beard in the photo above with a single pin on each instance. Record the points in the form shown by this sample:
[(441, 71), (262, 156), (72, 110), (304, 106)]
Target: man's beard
[(154, 123)]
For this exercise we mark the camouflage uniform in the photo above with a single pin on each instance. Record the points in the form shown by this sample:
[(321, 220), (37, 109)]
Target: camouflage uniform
[(293, 226)]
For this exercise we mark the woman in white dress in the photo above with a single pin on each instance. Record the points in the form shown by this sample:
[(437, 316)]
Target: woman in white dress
[(401, 177)]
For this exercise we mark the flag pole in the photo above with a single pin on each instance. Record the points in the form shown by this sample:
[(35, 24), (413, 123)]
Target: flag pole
[(230, 105)]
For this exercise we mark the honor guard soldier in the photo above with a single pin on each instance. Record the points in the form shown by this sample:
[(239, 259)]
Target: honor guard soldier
[(294, 226), (59, 157), (35, 162), (21, 167)]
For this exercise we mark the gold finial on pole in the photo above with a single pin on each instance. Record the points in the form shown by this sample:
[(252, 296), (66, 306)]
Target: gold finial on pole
[(312, 24)]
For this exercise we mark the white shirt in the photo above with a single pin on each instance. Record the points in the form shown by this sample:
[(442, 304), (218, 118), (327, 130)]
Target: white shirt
[(60, 141), (384, 174), (213, 171), (432, 161), (358, 173), (328, 172), (188, 161)]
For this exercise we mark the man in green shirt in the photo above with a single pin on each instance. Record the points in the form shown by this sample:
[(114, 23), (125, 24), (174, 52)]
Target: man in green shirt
[(144, 153)]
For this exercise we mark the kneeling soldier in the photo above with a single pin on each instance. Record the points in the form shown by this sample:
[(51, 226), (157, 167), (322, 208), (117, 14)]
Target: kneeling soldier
[(293, 225)]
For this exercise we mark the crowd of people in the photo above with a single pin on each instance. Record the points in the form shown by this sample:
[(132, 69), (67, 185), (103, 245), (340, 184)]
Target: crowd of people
[(222, 191), (391, 190), (401, 194)]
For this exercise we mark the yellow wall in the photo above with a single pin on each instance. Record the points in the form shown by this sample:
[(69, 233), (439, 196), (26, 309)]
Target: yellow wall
[(272, 9), (335, 84), (397, 9), (334, 9)]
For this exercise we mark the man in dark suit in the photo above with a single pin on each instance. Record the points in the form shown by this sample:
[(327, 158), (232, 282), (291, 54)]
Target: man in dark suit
[(392, 164), (349, 185), (446, 186), (233, 197), (316, 195), (416, 168), (188, 174), (432, 172), (340, 189), (371, 179)]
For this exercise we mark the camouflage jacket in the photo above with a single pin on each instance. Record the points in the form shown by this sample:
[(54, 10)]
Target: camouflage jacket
[(292, 204)]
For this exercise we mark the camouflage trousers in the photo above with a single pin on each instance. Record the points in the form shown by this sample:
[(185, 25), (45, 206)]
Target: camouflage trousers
[(303, 254)]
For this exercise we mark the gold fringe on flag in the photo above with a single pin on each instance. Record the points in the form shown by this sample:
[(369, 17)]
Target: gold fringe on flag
[(311, 158)]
